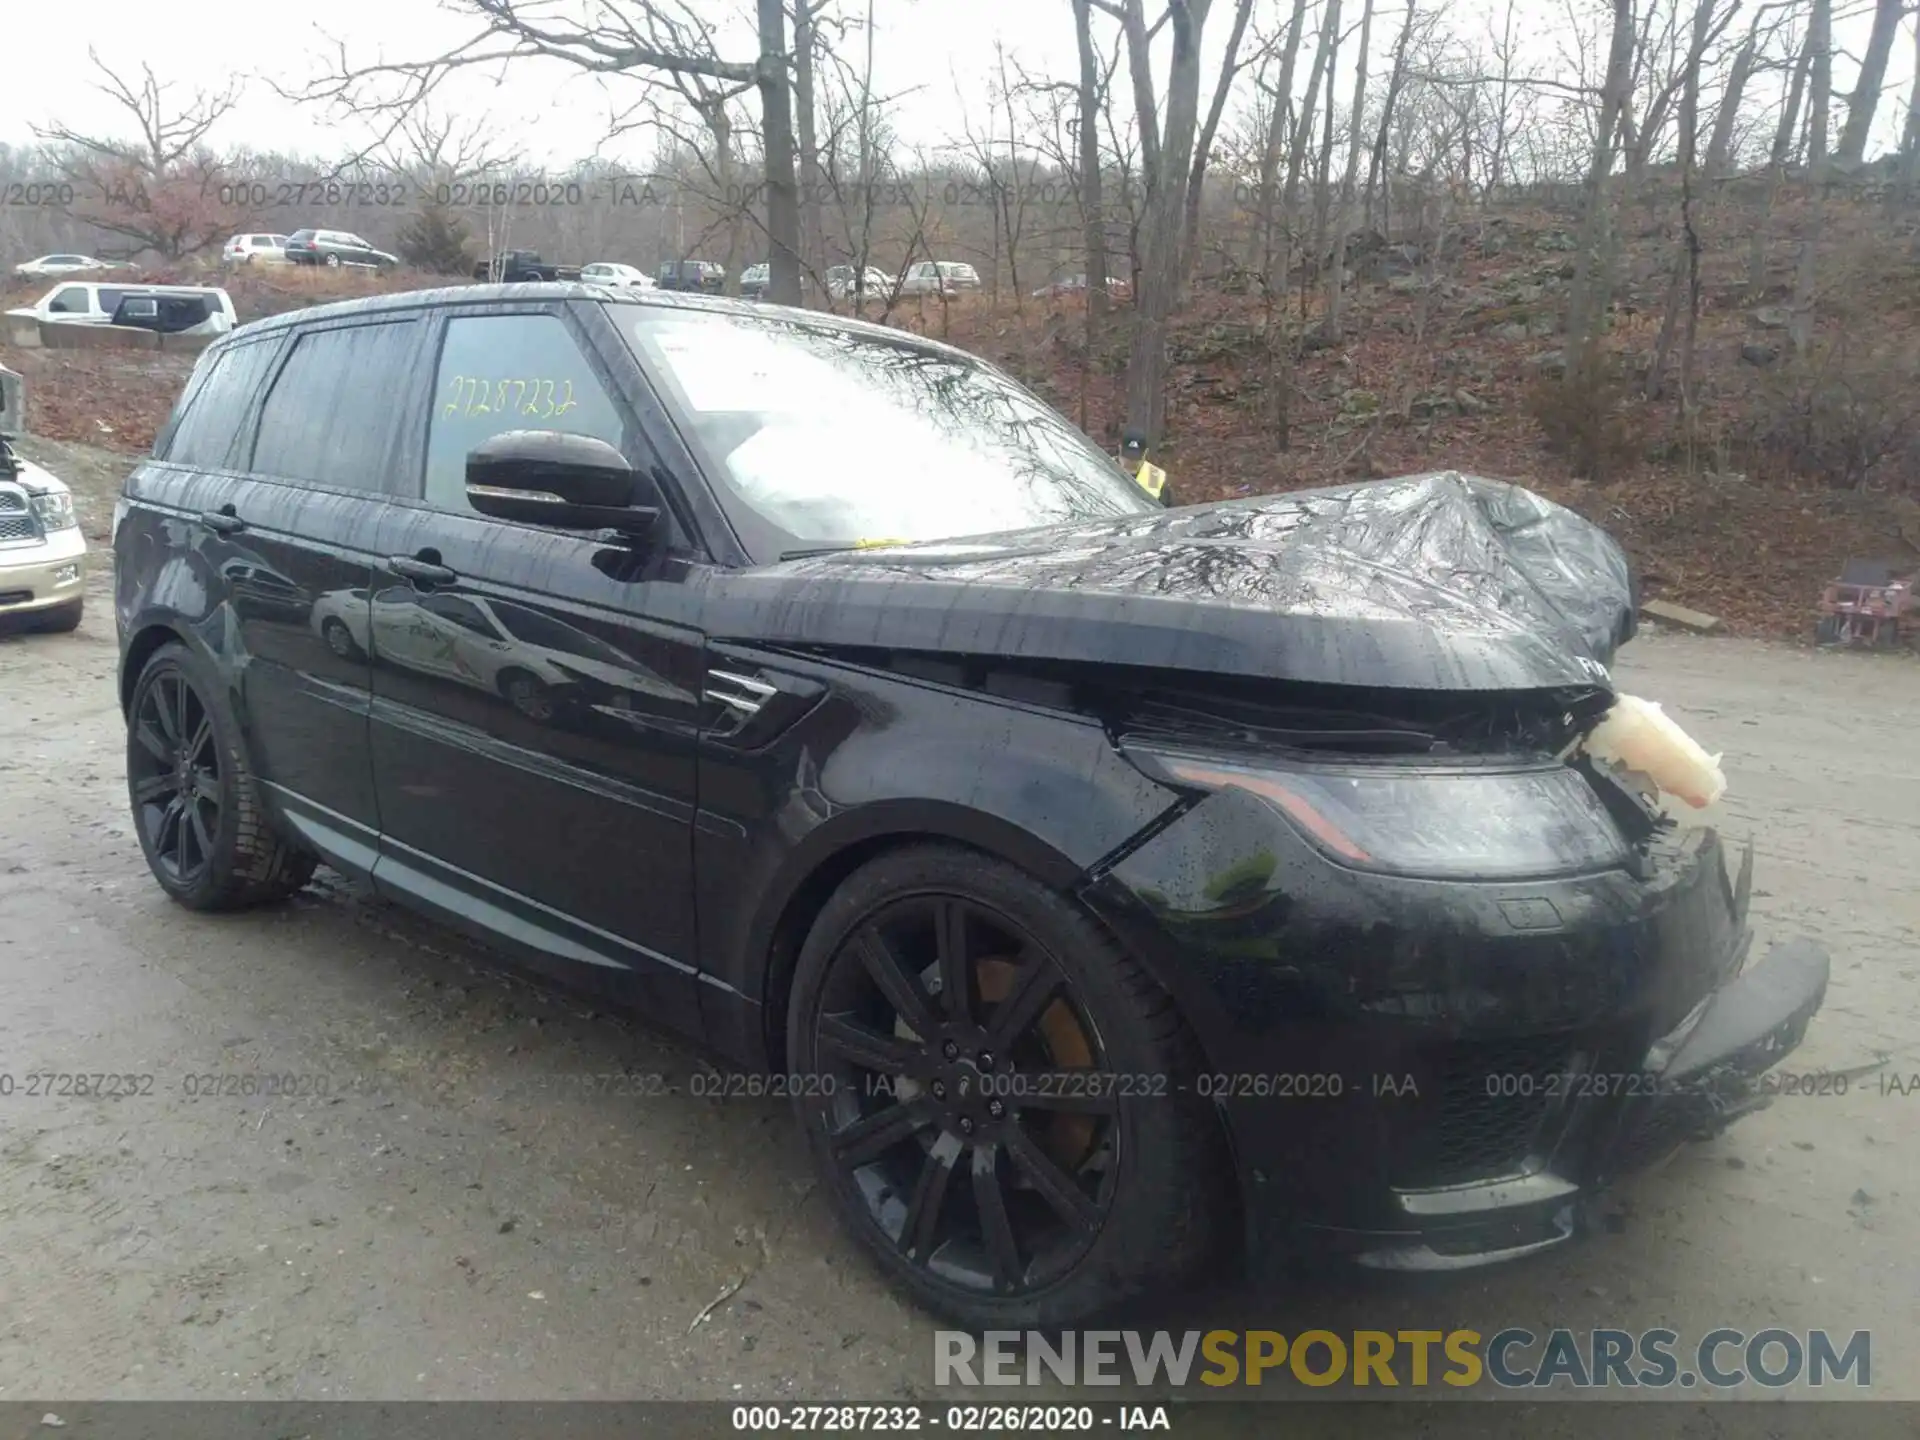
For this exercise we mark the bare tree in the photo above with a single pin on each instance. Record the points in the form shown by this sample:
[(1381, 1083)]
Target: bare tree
[(1592, 285), (1343, 225), (1865, 99), (1685, 282), (1777, 158), (1166, 156), (806, 45), (642, 40), (1260, 245), (1230, 68), (1088, 94), (1377, 165), (1820, 44), (162, 188)]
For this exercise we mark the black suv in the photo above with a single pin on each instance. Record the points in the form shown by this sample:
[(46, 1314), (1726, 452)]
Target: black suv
[(693, 276), (1117, 891)]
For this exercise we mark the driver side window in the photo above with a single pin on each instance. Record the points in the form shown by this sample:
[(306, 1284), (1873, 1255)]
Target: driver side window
[(509, 372)]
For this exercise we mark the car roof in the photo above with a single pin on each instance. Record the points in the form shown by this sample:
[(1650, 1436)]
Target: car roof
[(464, 295)]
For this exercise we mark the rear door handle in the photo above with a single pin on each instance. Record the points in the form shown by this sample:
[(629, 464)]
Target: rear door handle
[(222, 520), (429, 572)]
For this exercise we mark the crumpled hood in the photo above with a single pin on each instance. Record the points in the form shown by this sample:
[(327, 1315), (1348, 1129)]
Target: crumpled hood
[(1437, 581)]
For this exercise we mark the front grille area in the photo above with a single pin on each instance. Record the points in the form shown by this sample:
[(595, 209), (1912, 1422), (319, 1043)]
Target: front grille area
[(17, 527), (1481, 1111), (14, 597)]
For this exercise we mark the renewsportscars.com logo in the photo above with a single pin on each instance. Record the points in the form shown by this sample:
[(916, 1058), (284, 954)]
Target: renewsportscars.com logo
[(1513, 1358)]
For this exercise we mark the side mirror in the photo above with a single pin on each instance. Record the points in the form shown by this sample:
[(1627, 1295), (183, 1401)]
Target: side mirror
[(560, 481)]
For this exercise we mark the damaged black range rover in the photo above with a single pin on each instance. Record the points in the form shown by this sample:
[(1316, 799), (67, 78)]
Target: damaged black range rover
[(1115, 890)]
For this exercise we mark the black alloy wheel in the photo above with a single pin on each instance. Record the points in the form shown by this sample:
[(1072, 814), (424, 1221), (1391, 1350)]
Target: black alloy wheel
[(196, 808), (173, 770), (992, 1091)]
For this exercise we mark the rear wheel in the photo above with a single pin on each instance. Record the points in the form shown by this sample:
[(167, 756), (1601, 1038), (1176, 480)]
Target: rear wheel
[(333, 262), (196, 807), (995, 1096)]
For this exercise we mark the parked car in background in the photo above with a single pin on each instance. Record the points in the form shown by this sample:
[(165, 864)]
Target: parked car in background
[(334, 248), (89, 302), (1073, 285), (692, 275), (1035, 835), (62, 265), (844, 284), (755, 281), (939, 277), (522, 267), (624, 277), (43, 555), (246, 249)]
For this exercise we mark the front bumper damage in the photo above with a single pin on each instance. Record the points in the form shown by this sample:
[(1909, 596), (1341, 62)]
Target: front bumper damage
[(1695, 1081), (1449, 1074)]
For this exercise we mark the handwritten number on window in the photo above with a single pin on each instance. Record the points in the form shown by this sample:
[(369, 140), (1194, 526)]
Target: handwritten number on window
[(468, 396)]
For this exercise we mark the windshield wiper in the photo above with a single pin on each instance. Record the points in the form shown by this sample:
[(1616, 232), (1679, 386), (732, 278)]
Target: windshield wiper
[(786, 555)]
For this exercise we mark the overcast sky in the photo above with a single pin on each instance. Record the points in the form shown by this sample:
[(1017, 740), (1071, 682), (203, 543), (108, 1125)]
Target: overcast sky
[(940, 50)]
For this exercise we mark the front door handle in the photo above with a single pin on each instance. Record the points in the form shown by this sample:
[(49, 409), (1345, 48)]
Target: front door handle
[(223, 520), (422, 571)]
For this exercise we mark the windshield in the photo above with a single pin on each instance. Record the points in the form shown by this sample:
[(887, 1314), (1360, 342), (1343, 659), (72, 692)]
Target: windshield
[(818, 437)]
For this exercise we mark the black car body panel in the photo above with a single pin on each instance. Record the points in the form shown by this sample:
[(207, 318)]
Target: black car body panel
[(646, 770)]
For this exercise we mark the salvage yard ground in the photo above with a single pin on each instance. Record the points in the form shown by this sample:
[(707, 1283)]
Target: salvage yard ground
[(470, 1213)]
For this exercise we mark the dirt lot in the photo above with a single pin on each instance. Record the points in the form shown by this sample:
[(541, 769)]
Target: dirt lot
[(463, 1216)]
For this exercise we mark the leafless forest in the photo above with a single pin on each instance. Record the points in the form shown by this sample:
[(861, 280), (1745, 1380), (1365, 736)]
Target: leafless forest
[(1344, 237)]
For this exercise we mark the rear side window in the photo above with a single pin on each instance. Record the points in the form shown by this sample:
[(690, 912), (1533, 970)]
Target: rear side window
[(209, 423), (330, 414), (508, 372), (70, 301)]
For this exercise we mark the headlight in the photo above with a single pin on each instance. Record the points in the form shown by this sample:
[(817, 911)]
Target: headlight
[(55, 510), (1426, 821)]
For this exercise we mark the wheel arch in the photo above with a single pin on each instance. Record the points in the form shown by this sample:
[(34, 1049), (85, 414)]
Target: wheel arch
[(841, 847), (145, 642)]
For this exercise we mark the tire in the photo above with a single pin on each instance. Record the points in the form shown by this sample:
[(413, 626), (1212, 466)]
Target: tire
[(62, 618), (528, 695), (1161, 1203), (333, 262), (220, 852), (340, 639)]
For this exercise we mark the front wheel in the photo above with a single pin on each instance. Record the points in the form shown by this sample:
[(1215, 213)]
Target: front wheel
[(340, 639), (996, 1096), (196, 807)]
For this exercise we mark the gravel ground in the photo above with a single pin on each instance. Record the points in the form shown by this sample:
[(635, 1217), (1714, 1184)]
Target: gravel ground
[(464, 1216)]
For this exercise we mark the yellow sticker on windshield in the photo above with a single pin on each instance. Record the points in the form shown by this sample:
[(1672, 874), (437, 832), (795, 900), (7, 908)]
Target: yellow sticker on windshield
[(875, 544), (1152, 479)]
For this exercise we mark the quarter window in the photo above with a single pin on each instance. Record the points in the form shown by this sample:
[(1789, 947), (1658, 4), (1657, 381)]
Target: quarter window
[(509, 372), (205, 429), (70, 301), (329, 416)]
